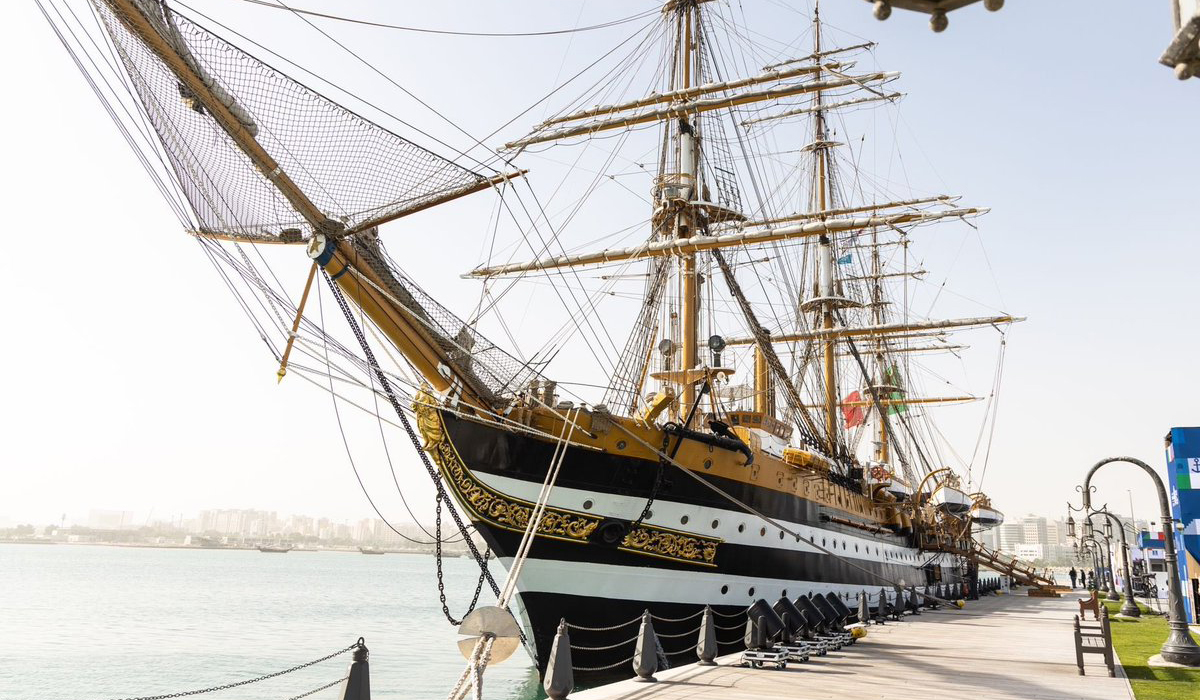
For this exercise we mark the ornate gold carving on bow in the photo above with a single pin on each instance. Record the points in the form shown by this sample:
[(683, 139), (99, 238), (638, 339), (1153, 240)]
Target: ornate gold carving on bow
[(513, 514), (429, 422), (672, 545)]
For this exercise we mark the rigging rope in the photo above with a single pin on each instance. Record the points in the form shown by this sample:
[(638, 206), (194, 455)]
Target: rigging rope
[(416, 440), (450, 32), (800, 416)]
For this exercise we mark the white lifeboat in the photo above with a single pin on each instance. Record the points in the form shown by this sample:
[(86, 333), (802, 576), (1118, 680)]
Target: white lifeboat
[(983, 514), (951, 499)]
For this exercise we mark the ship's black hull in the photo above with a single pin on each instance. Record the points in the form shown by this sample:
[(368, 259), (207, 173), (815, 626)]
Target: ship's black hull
[(584, 573)]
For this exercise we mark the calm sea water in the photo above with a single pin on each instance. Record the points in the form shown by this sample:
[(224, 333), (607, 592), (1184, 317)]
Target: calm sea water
[(91, 622)]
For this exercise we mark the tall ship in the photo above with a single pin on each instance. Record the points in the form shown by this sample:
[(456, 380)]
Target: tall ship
[(759, 431)]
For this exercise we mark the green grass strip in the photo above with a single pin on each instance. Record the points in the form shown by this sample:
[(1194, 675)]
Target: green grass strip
[(1135, 642)]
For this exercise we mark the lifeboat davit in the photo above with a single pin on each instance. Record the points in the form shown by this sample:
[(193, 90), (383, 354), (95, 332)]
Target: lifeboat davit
[(880, 476), (982, 512)]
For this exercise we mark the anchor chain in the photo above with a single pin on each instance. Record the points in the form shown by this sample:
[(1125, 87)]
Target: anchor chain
[(437, 523), (416, 441), (662, 467)]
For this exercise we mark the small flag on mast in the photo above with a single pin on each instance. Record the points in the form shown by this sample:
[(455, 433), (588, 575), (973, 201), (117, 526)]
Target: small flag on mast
[(846, 259), (852, 412)]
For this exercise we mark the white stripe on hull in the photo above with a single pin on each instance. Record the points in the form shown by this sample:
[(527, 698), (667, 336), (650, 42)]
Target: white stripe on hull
[(653, 585), (669, 514)]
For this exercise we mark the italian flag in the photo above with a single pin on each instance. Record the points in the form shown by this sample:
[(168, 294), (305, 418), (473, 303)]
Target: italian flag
[(1188, 477)]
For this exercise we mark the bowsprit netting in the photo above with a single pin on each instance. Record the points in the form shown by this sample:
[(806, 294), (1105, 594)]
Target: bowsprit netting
[(496, 375), (356, 172)]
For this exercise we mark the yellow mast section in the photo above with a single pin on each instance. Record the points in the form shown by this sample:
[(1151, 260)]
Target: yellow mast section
[(689, 173)]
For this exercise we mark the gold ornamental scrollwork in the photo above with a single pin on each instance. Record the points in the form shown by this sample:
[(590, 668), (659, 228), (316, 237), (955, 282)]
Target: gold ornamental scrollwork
[(672, 545), (556, 523)]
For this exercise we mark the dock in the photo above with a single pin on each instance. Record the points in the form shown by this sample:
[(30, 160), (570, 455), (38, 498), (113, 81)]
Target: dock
[(998, 648)]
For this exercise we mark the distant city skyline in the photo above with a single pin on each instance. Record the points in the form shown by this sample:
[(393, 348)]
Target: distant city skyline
[(226, 521)]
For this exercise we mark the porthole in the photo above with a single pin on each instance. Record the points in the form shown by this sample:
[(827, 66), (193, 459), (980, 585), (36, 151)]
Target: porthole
[(781, 534), (751, 591), (856, 548), (649, 514), (620, 444), (587, 505), (762, 532), (683, 520), (741, 527), (785, 593), (708, 464), (822, 541), (715, 523), (724, 590)]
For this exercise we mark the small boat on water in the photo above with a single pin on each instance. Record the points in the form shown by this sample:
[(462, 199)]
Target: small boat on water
[(275, 548), (371, 550)]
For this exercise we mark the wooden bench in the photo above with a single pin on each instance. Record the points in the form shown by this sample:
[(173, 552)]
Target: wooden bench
[(1092, 604), (1093, 639)]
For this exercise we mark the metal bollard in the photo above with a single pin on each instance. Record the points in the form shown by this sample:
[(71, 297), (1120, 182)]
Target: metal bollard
[(357, 685), (560, 676), (645, 654), (864, 609), (706, 648)]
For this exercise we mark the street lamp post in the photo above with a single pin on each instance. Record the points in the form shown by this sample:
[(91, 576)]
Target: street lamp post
[(1097, 550), (1110, 583), (1129, 608), (1179, 648)]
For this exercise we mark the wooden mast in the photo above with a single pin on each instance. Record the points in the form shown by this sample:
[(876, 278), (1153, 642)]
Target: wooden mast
[(881, 453), (825, 260), (684, 220)]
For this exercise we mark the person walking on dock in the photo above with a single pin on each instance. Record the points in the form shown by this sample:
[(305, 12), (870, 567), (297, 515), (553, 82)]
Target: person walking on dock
[(1074, 575)]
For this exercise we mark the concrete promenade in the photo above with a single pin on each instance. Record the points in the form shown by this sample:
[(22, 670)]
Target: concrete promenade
[(998, 648)]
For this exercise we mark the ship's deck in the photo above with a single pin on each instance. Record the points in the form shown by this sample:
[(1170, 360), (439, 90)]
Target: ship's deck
[(998, 648)]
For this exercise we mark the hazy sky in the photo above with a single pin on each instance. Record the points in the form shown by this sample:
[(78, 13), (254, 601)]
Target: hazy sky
[(133, 382)]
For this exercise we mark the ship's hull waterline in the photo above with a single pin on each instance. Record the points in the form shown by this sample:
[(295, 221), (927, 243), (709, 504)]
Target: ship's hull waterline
[(694, 549)]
